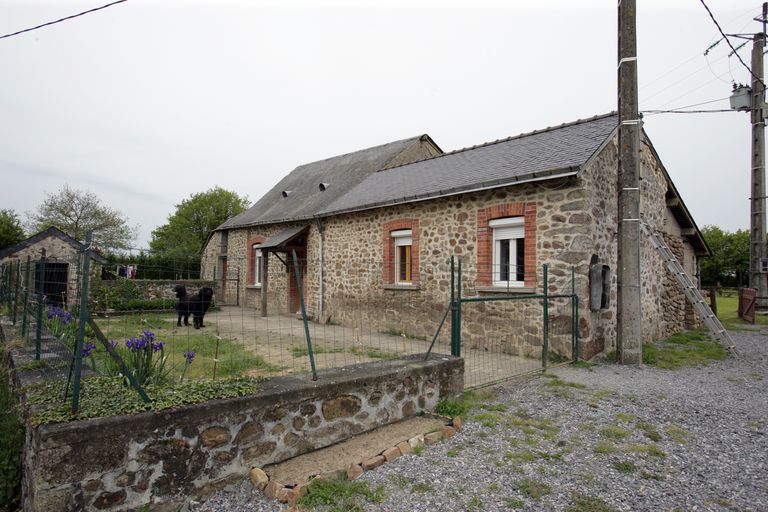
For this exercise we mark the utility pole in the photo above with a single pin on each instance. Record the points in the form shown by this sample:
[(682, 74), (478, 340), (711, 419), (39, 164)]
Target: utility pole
[(629, 318), (757, 278)]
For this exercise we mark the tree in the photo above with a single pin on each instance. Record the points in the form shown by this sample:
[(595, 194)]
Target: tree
[(76, 212), (729, 263), (11, 231), (188, 227)]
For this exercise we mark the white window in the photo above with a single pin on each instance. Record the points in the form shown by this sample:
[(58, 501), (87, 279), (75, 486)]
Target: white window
[(508, 251), (403, 241), (257, 265)]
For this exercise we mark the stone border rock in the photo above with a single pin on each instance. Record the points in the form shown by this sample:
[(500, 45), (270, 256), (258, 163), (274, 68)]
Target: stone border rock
[(290, 494)]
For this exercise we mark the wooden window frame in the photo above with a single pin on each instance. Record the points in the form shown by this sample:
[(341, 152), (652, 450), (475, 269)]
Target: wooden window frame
[(390, 271)]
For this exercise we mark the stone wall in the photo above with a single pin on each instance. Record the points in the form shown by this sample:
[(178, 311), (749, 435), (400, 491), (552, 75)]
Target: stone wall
[(572, 220), (158, 289), (57, 251), (166, 458)]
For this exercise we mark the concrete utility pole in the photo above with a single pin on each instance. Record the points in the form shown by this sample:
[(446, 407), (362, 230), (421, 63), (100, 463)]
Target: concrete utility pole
[(629, 318), (757, 278)]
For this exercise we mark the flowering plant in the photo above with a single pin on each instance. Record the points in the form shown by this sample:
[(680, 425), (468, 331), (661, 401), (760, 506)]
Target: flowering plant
[(60, 322), (189, 356), (146, 358)]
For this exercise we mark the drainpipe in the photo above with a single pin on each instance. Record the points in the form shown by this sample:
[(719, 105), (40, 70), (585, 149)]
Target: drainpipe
[(321, 231)]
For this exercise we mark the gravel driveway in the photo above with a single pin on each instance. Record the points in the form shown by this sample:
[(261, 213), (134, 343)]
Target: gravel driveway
[(592, 439)]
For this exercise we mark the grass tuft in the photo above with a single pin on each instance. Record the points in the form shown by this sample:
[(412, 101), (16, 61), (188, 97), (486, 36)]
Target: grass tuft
[(533, 488), (614, 432), (688, 348), (340, 495), (582, 503)]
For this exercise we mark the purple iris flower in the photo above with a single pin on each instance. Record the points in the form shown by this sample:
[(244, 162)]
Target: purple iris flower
[(189, 356), (88, 348)]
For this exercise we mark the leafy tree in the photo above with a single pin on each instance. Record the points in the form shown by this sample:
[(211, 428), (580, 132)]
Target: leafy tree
[(11, 231), (188, 227), (78, 211), (729, 263)]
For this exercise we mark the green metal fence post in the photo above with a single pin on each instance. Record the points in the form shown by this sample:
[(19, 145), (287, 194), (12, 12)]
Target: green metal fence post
[(576, 304), (26, 299), (458, 312), (453, 309), (297, 273), (39, 289), (83, 314), (17, 279), (545, 348)]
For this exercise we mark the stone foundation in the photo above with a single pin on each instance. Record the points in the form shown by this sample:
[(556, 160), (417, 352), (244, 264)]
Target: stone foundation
[(166, 458)]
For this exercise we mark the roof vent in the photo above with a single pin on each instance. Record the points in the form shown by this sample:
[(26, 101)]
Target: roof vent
[(323, 186), (286, 193)]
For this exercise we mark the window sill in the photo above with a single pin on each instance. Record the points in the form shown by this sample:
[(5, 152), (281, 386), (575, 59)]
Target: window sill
[(508, 291), (253, 287), (401, 287)]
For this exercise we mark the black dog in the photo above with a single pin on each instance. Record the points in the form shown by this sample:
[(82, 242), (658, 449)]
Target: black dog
[(181, 294), (196, 304)]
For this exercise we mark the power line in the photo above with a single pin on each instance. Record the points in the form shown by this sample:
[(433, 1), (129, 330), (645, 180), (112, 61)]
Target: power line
[(729, 43), (657, 112), (63, 19)]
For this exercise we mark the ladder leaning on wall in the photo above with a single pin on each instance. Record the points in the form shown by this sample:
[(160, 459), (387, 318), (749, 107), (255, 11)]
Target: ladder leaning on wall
[(690, 290)]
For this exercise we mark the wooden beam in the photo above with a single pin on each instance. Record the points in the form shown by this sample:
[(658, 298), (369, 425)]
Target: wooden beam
[(687, 232), (264, 281), (673, 202)]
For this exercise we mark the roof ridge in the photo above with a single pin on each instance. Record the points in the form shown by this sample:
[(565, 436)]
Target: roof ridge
[(507, 139), (416, 137)]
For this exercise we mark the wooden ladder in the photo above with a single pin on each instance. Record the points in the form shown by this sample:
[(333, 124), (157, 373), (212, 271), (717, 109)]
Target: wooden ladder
[(690, 290)]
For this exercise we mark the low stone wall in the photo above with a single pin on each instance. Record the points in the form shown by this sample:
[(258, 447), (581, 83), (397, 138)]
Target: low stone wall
[(162, 289), (166, 458)]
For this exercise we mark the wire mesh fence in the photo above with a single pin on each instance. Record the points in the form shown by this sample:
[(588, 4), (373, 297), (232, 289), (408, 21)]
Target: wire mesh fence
[(301, 316)]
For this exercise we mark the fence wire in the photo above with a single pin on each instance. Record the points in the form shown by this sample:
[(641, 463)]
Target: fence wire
[(358, 312)]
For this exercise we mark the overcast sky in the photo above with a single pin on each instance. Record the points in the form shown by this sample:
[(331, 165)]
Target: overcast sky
[(147, 102)]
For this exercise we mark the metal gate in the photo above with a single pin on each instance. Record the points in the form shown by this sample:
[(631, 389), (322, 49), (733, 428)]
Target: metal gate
[(505, 332)]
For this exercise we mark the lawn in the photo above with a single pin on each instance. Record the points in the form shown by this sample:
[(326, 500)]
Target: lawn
[(228, 357), (727, 313)]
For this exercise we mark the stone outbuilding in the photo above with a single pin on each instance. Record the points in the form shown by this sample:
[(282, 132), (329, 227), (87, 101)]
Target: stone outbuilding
[(374, 231), (63, 258)]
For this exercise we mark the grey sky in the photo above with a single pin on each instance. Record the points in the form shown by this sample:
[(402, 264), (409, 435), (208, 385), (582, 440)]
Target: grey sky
[(147, 102)]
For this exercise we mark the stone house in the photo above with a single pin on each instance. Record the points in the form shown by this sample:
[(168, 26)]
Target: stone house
[(374, 231), (63, 258)]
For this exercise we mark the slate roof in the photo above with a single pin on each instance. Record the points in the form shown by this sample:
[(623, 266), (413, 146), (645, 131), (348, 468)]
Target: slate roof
[(51, 231), (340, 173), (548, 153)]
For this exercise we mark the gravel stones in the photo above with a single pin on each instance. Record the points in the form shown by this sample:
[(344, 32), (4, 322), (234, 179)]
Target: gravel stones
[(697, 439)]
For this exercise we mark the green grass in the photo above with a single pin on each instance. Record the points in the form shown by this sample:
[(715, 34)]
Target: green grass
[(233, 359), (649, 449), (649, 430), (340, 495), (514, 503), (11, 442), (533, 488), (622, 416), (475, 503), (461, 405), (624, 466), (614, 432), (422, 487), (582, 503), (687, 348), (564, 383), (604, 448), (372, 353), (727, 313), (317, 349), (679, 435)]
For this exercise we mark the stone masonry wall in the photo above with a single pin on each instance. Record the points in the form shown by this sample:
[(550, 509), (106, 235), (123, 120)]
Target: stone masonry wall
[(572, 220), (165, 458), (57, 251), (663, 303)]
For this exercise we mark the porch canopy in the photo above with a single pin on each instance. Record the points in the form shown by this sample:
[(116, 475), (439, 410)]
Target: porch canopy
[(282, 242), (285, 241)]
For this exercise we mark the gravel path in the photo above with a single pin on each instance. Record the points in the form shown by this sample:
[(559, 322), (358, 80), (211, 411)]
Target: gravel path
[(607, 436)]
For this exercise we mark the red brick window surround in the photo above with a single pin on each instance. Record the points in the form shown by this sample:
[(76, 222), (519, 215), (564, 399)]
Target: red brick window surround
[(401, 261), (252, 260), (485, 245)]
